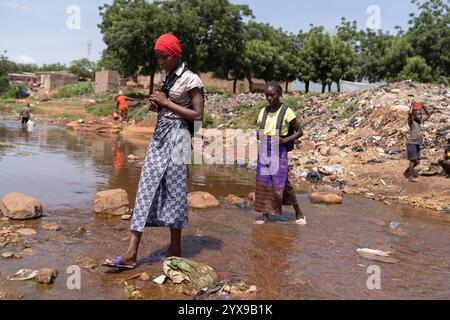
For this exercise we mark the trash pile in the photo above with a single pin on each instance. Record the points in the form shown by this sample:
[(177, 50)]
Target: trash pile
[(376, 118), (227, 105), (200, 280)]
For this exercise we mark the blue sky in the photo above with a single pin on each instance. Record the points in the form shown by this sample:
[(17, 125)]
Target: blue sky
[(37, 31)]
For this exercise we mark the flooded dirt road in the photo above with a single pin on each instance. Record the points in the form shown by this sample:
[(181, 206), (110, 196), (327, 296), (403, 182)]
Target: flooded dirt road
[(283, 260)]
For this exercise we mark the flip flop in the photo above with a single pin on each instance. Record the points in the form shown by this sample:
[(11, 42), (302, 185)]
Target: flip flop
[(117, 262)]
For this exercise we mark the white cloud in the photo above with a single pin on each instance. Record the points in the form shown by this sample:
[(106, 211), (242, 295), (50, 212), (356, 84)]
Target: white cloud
[(23, 58), (14, 5)]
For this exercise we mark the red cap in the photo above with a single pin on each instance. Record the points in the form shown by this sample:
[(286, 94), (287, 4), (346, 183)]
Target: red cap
[(169, 44)]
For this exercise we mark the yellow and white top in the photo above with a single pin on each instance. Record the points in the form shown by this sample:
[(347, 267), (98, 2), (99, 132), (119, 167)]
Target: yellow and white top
[(271, 122)]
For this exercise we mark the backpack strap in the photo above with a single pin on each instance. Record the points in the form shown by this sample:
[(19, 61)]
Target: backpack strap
[(169, 81), (281, 117), (264, 119)]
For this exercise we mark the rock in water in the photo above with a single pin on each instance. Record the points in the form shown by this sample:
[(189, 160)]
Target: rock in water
[(19, 206), (113, 202), (326, 198), (202, 200), (46, 275)]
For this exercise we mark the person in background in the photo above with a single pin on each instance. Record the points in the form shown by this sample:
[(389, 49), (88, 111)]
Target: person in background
[(273, 189), (122, 105), (415, 141), (25, 115), (445, 162)]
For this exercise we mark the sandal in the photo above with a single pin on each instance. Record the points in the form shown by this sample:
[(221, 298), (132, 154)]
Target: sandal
[(118, 262)]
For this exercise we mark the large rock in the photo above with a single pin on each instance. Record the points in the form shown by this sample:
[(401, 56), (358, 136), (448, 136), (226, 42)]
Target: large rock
[(19, 206), (113, 202), (326, 198), (202, 200)]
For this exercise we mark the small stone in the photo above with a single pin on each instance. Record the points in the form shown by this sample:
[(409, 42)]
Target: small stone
[(51, 226), (87, 263), (160, 279), (252, 197), (326, 198), (28, 251), (252, 289), (46, 275), (132, 157), (27, 232), (233, 200), (7, 255), (144, 276)]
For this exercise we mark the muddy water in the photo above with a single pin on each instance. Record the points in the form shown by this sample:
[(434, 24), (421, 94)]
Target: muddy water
[(283, 260)]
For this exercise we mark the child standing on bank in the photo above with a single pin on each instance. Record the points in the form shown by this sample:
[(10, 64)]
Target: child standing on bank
[(273, 189), (415, 141)]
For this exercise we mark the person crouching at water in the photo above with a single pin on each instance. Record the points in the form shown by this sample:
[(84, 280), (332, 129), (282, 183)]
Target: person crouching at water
[(161, 199), (122, 105), (445, 162), (273, 189)]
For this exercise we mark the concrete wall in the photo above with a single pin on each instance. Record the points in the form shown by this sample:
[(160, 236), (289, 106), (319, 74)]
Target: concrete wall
[(53, 80), (106, 80)]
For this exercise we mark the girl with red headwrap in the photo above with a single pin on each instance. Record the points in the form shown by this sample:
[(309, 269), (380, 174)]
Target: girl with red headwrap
[(161, 199)]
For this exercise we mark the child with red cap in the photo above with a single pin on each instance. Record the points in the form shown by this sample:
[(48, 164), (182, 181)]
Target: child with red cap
[(161, 199)]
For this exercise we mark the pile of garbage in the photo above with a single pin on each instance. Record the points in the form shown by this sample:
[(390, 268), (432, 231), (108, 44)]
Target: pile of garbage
[(227, 105), (200, 280), (377, 117)]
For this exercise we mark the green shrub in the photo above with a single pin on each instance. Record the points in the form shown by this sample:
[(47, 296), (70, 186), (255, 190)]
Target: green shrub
[(72, 90), (349, 111), (102, 109)]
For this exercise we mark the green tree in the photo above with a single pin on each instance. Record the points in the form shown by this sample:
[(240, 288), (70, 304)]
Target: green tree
[(83, 68), (417, 70), (305, 66), (130, 29), (343, 61), (319, 47), (259, 57), (429, 35), (225, 39), (371, 59), (395, 57), (53, 67)]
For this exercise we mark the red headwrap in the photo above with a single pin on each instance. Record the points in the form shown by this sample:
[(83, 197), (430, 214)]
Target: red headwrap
[(169, 44)]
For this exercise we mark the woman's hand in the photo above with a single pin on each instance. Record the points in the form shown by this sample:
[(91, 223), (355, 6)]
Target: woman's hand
[(159, 98), (152, 106)]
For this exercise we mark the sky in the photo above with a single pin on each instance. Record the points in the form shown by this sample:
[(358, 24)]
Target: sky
[(50, 31)]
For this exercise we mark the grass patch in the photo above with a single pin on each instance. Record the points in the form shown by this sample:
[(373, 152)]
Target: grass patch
[(334, 106), (73, 90), (296, 103), (349, 111), (249, 117), (102, 109)]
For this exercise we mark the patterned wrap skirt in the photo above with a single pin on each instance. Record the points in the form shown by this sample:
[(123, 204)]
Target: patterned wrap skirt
[(273, 189), (161, 199)]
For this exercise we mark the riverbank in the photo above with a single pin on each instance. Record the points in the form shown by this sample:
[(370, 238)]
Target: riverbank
[(354, 143), (319, 261)]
